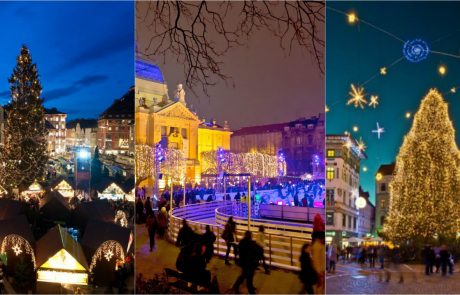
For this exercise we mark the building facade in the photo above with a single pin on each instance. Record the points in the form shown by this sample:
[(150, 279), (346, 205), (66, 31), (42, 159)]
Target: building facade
[(115, 133), (366, 216), (160, 119), (302, 142), (343, 158), (383, 178), (56, 126), (82, 132)]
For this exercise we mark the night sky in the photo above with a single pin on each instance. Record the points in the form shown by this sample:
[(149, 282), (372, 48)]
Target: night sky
[(84, 51), (356, 52), (270, 86)]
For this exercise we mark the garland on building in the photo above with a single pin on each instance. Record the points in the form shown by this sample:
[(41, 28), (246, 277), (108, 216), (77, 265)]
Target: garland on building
[(18, 245), (107, 251), (424, 193), (23, 157)]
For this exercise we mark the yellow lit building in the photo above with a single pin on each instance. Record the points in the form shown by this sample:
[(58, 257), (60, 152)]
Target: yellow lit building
[(160, 118)]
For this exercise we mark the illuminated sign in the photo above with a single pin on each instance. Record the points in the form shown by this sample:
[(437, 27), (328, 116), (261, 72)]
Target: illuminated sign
[(62, 277)]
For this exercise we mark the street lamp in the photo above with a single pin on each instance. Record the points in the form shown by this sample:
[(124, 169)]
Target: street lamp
[(361, 203)]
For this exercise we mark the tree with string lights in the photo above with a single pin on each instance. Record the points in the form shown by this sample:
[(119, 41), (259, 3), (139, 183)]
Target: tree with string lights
[(23, 157), (424, 192)]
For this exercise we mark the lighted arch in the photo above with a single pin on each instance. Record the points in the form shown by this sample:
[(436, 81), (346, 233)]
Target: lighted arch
[(19, 245), (106, 251)]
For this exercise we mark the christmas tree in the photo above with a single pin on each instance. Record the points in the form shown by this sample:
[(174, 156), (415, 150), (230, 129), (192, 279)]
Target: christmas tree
[(23, 156), (424, 193)]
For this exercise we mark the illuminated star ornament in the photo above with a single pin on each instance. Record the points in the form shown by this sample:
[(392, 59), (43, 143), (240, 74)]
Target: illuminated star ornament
[(415, 50), (361, 145), (17, 249), (357, 97), (374, 101), (379, 130), (108, 255)]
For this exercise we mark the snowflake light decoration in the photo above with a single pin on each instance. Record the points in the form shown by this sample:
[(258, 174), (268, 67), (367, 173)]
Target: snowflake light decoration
[(374, 101), (379, 130), (361, 145), (415, 50), (357, 97), (17, 249), (108, 255)]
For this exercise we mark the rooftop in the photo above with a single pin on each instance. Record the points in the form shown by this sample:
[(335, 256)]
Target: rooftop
[(148, 71), (84, 123), (53, 111), (122, 108), (386, 169)]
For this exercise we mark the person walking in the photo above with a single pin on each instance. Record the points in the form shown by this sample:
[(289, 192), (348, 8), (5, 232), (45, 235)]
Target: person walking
[(437, 259), (307, 273), (151, 225), (260, 239), (148, 207), (229, 236), (250, 255), (444, 257), (208, 240), (185, 236), (162, 221), (332, 255), (428, 259)]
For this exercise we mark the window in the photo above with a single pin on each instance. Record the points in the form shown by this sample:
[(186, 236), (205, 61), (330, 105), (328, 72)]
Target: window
[(354, 222), (299, 140), (383, 187), (330, 218), (330, 173), (330, 197), (382, 220), (349, 222), (163, 130), (330, 153), (344, 220), (382, 203), (184, 133)]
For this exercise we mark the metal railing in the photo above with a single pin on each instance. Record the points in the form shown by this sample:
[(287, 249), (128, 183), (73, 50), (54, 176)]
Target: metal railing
[(283, 240)]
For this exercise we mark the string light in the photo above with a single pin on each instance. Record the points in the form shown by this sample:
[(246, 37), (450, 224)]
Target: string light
[(18, 245), (352, 18), (107, 250)]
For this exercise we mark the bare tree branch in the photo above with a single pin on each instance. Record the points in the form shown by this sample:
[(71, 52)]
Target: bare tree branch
[(198, 34)]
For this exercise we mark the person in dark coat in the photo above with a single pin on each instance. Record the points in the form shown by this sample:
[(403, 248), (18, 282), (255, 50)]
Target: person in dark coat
[(148, 207), (208, 240), (428, 259), (139, 211), (151, 225), (250, 255), (445, 257), (186, 235), (229, 236), (307, 273)]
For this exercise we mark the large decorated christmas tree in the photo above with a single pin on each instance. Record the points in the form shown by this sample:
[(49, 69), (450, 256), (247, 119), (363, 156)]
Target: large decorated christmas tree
[(23, 157), (424, 193)]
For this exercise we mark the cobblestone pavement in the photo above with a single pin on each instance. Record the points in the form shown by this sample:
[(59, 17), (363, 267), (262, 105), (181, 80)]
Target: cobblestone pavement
[(164, 255), (352, 279)]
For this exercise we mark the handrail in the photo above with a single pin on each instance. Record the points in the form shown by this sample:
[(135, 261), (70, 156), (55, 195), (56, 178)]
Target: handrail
[(282, 249)]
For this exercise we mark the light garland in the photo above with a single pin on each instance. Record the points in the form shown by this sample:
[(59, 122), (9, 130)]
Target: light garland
[(107, 250), (18, 245)]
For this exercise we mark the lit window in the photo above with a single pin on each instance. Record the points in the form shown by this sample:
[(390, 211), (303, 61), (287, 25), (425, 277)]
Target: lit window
[(330, 173), (330, 153)]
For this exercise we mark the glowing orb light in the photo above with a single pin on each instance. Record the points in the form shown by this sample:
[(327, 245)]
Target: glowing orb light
[(355, 128), (361, 203), (415, 50), (364, 169), (453, 90), (84, 154), (442, 70), (408, 115)]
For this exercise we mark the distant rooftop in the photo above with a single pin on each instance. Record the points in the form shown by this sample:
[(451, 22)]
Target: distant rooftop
[(84, 123), (386, 169), (148, 71), (260, 129), (53, 111), (122, 108)]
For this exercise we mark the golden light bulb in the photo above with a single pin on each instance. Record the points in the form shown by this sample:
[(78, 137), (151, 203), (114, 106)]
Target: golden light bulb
[(378, 176), (442, 70), (352, 18)]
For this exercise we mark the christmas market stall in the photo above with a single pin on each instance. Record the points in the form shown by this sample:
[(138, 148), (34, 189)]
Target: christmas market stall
[(64, 187), (114, 191), (34, 192), (54, 208), (98, 210), (107, 245), (60, 260)]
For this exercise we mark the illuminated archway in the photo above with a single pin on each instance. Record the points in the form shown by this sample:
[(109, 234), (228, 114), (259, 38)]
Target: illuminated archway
[(18, 245), (108, 250)]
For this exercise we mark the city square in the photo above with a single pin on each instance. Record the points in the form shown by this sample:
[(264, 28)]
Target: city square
[(391, 151), (230, 185), (66, 156)]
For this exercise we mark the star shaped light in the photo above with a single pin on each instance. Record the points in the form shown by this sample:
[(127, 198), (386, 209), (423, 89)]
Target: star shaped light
[(17, 249), (108, 255), (374, 101), (379, 130), (357, 97), (361, 145)]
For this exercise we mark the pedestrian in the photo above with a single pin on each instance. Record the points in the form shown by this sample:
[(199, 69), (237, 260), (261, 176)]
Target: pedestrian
[(381, 255), (249, 260), (151, 225), (307, 273), (185, 236), (318, 249), (139, 211), (162, 222), (229, 236), (428, 259), (148, 207), (208, 240), (437, 259), (372, 256), (444, 257), (260, 239), (332, 254)]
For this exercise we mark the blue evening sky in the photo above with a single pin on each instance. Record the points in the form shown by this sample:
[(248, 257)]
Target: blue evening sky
[(83, 50), (355, 52)]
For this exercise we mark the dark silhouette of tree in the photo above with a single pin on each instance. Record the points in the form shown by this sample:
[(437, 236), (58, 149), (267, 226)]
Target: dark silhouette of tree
[(199, 33)]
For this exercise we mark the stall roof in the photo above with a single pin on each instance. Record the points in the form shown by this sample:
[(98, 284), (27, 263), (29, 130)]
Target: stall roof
[(94, 210), (9, 208), (98, 232), (55, 240), (18, 226)]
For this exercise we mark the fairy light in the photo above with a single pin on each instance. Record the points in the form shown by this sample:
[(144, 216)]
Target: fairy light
[(18, 245), (357, 97), (352, 18), (442, 70), (107, 250)]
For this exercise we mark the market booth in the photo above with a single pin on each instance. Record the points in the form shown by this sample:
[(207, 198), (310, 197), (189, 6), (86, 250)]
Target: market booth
[(35, 191), (60, 260), (65, 188)]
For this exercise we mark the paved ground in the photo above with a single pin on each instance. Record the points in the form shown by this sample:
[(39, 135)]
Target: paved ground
[(352, 279), (165, 254)]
